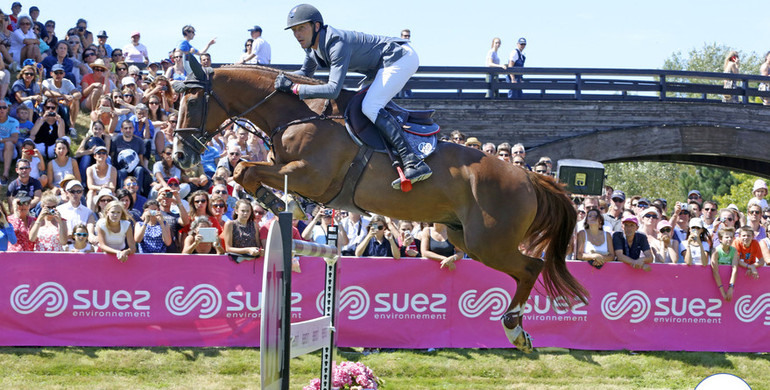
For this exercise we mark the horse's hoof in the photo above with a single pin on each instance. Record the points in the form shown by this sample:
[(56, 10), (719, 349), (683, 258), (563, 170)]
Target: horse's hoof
[(520, 338)]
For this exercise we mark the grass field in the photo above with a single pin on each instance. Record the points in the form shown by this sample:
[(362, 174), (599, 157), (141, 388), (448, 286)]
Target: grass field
[(238, 368)]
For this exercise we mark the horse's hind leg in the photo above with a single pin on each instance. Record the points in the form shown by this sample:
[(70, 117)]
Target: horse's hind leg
[(525, 270)]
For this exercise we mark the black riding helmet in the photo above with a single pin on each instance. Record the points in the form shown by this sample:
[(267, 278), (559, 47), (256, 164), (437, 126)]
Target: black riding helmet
[(304, 13)]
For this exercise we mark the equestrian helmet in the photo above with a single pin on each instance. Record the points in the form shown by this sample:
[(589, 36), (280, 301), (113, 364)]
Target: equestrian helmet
[(303, 13)]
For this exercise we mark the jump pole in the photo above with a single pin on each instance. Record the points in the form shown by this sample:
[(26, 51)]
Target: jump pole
[(280, 340)]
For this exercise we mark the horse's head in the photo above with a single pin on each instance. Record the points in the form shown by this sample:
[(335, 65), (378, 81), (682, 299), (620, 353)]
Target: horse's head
[(191, 134)]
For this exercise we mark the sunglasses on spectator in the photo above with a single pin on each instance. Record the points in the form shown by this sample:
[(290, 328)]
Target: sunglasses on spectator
[(222, 192), (618, 200), (177, 56), (81, 234), (458, 138), (235, 154), (132, 184), (726, 219), (665, 230), (22, 168), (98, 70), (153, 103), (3, 107), (104, 200), (379, 227), (709, 209), (504, 155), (24, 203), (101, 152), (128, 95), (755, 212), (76, 192), (50, 107), (693, 197), (540, 171), (58, 72), (198, 201), (89, 54), (173, 185), (28, 74), (651, 216), (687, 213), (220, 206), (765, 216), (642, 205)]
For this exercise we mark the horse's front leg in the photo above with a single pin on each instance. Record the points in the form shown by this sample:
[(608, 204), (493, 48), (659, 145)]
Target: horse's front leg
[(251, 176)]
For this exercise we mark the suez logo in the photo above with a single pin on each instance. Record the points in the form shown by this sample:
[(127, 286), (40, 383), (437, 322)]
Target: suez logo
[(636, 306), (355, 301)]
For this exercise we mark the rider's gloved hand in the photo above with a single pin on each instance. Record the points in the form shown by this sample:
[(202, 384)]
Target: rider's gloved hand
[(283, 84)]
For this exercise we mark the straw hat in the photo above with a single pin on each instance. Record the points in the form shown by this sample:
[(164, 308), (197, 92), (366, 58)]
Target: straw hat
[(99, 63)]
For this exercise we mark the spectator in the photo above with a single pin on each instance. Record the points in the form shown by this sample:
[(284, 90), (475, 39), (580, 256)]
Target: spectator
[(164, 170), (759, 192), (143, 130), (49, 232), (726, 219), (95, 84), (222, 190), (37, 162), (62, 164), (194, 242), (247, 57), (519, 161), (541, 168), (694, 195), (732, 65), (516, 60), (14, 16), (260, 49), (152, 234), (219, 209), (177, 71), (231, 160), (125, 197), (457, 137), (489, 148), (60, 56), (594, 245), (355, 226), (100, 175), (409, 246), (176, 218), (749, 252), (698, 244), (754, 221), (708, 215), (9, 136), (50, 34), (86, 150), (130, 184), (49, 128), (106, 113), (188, 32), (24, 184), (666, 250), (135, 52), (23, 115), (65, 93), (201, 206), (764, 70), (102, 39), (26, 89), (435, 245), (725, 254), (114, 231), (318, 229), (630, 247), (549, 164), (241, 234), (379, 241), (79, 68), (7, 234), (80, 242), (127, 153), (81, 29), (615, 213), (504, 154), (160, 99), (121, 72), (24, 43), (22, 222), (493, 60), (206, 60), (74, 212), (473, 142), (118, 58)]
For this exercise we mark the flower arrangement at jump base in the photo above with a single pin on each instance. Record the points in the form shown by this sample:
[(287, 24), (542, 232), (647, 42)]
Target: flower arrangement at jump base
[(349, 376)]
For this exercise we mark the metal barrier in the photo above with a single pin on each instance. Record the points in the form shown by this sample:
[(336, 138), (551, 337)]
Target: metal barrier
[(280, 340)]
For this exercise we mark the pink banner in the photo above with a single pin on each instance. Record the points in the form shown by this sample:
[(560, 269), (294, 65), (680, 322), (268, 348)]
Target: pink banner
[(173, 300)]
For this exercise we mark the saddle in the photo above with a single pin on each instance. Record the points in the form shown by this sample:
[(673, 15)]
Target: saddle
[(419, 129)]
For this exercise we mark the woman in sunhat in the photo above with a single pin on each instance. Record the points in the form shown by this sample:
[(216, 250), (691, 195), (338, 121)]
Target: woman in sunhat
[(95, 84)]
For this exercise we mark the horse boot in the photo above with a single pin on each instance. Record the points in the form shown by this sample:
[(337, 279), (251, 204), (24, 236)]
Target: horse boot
[(269, 200), (414, 169)]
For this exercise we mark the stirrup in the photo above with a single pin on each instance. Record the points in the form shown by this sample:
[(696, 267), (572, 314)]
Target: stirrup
[(269, 200)]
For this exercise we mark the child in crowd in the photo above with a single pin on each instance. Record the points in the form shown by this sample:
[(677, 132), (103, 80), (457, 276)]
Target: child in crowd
[(725, 254), (749, 253), (24, 116), (81, 244), (759, 192)]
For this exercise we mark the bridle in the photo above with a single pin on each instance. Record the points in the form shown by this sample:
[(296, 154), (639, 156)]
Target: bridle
[(197, 138)]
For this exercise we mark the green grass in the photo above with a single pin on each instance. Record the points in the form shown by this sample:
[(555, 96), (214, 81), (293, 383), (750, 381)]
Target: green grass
[(238, 368)]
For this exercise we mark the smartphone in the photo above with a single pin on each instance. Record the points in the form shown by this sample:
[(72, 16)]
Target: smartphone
[(153, 212), (168, 194), (209, 234)]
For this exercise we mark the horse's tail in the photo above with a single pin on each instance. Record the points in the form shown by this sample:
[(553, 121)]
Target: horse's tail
[(550, 234)]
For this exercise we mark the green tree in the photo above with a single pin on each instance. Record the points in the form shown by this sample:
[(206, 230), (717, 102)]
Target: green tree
[(740, 191), (648, 179), (711, 182)]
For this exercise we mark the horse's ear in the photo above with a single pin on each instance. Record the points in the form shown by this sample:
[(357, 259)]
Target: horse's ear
[(196, 68)]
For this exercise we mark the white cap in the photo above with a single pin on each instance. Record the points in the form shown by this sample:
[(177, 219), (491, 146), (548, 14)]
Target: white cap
[(759, 184), (696, 222)]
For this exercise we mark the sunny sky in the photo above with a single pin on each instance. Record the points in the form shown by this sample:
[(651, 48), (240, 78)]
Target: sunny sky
[(597, 34)]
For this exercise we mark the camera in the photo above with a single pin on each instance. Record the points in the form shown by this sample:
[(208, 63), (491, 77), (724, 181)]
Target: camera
[(328, 213), (153, 212), (81, 29), (168, 194), (164, 88), (51, 114)]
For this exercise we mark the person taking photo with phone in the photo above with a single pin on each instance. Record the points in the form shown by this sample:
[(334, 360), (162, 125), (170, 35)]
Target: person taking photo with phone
[(151, 233)]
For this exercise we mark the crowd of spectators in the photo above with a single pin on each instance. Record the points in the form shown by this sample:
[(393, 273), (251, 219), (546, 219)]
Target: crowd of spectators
[(121, 193)]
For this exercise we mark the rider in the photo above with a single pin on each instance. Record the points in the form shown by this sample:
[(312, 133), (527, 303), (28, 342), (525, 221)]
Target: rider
[(387, 63)]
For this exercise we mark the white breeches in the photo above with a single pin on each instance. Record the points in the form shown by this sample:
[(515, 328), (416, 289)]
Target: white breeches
[(389, 81)]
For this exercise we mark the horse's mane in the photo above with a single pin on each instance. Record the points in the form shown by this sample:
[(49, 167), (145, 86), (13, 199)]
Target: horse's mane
[(262, 68)]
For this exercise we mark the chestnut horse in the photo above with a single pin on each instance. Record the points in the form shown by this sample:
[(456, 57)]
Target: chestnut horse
[(489, 206)]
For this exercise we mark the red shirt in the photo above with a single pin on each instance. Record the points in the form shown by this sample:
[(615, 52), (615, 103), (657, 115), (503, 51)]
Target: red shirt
[(23, 244), (748, 255)]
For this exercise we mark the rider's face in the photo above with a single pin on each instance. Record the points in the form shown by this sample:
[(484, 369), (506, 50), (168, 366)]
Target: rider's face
[(304, 34)]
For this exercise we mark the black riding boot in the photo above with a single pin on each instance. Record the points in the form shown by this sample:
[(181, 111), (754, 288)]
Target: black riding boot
[(414, 168)]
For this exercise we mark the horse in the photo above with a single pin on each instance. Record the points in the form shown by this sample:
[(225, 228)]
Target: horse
[(492, 209)]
